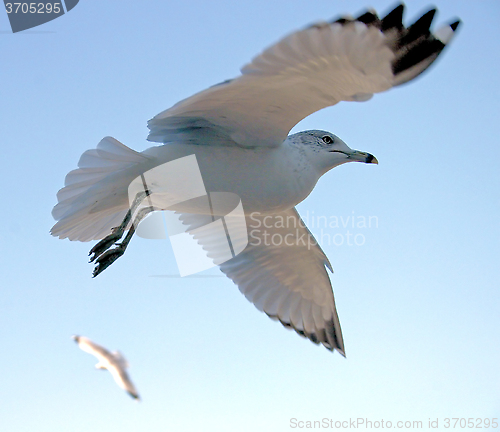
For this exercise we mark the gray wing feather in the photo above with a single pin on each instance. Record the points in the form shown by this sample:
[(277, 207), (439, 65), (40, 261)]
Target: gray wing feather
[(287, 281)]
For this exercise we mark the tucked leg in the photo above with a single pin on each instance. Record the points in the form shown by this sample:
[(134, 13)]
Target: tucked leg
[(109, 257), (117, 232)]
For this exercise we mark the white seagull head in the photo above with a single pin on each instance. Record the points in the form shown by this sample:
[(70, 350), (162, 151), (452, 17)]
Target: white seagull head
[(326, 151)]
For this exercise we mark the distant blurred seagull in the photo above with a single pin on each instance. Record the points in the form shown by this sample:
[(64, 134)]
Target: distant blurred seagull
[(238, 131), (113, 362)]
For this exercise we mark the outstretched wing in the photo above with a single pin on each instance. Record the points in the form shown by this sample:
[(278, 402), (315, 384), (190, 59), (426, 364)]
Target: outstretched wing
[(282, 271), (121, 377), (343, 60), (85, 344)]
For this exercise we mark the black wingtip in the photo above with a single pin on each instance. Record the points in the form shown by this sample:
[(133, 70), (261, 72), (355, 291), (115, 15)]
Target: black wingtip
[(419, 29), (455, 25), (424, 22), (134, 396), (368, 18), (394, 19)]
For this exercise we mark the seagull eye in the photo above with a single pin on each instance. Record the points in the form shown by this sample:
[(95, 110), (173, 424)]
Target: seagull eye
[(327, 139)]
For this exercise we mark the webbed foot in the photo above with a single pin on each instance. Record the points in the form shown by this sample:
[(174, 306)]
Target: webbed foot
[(106, 259), (105, 244)]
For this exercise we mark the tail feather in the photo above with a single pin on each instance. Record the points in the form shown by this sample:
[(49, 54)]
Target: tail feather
[(85, 226), (85, 186)]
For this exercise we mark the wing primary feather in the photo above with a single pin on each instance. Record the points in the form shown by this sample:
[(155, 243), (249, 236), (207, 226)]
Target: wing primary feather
[(416, 48), (369, 18), (419, 28), (454, 25), (393, 19), (426, 50)]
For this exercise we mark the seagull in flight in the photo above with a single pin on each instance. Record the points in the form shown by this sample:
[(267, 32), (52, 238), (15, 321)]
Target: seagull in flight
[(114, 362), (238, 131)]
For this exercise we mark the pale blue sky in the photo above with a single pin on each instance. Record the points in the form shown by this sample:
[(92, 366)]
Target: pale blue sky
[(418, 301)]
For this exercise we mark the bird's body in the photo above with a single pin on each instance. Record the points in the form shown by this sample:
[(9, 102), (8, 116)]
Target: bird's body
[(115, 363), (267, 179), (238, 132)]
